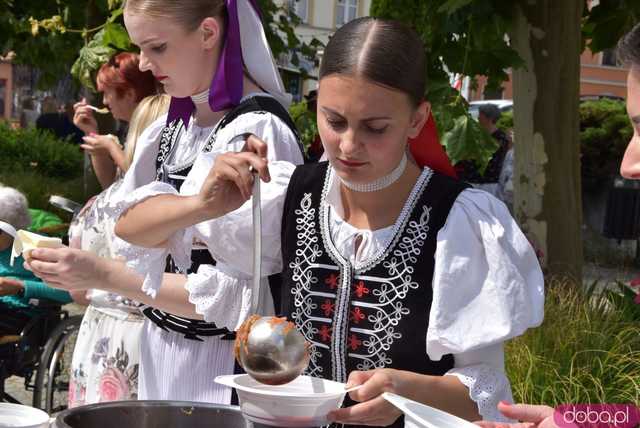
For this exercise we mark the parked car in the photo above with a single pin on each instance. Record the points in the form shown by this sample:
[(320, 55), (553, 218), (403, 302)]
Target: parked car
[(600, 97), (503, 105)]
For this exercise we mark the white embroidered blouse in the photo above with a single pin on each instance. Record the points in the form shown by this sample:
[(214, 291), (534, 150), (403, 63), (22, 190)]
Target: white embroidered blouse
[(228, 284)]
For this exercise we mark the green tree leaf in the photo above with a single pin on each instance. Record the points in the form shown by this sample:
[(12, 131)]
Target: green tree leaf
[(116, 36), (91, 57), (468, 140)]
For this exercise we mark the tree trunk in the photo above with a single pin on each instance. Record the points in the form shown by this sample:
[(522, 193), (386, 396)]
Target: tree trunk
[(546, 118)]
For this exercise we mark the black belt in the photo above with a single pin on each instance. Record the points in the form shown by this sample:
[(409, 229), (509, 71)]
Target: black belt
[(192, 329)]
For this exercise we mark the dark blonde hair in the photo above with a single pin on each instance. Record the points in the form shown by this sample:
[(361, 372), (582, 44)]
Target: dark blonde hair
[(188, 13), (148, 110), (383, 51)]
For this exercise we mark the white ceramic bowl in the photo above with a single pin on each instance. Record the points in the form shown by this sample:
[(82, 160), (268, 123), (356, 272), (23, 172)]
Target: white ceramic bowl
[(304, 402), (18, 416), (418, 415)]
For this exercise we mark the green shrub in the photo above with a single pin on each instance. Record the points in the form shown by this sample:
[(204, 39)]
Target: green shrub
[(604, 133), (506, 121), (38, 189), (586, 351), (25, 150)]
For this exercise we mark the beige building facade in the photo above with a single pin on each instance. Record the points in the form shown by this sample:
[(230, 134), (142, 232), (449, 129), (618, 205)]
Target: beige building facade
[(600, 76)]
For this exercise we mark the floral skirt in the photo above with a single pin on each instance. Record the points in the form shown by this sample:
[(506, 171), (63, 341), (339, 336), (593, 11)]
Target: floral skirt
[(106, 357)]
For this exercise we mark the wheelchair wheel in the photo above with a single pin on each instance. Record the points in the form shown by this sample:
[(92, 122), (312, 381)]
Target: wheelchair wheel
[(54, 370)]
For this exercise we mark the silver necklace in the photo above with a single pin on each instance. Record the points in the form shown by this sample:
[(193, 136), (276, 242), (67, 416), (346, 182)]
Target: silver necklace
[(201, 98), (380, 183)]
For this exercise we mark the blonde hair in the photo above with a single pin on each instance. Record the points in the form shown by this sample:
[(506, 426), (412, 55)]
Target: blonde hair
[(148, 110), (188, 13)]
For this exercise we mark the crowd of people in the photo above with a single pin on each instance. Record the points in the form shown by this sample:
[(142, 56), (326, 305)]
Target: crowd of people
[(402, 277)]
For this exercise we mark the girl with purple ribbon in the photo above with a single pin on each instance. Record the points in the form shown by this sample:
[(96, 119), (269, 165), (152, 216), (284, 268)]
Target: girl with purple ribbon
[(213, 58)]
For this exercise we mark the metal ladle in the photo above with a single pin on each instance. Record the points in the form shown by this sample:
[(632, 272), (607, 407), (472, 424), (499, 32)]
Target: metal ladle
[(274, 352)]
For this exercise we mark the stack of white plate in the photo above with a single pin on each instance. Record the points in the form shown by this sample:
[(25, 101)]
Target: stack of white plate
[(18, 416)]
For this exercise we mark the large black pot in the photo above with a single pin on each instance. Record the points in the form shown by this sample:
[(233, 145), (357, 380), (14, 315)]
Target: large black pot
[(153, 414)]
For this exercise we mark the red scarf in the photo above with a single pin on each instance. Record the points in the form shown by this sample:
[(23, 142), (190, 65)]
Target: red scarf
[(427, 150)]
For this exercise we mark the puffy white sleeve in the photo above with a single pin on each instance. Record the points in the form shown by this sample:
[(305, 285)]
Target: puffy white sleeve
[(151, 262), (229, 238), (487, 284)]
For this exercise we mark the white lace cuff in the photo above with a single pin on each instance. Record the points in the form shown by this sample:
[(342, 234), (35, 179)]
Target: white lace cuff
[(220, 297), (487, 387)]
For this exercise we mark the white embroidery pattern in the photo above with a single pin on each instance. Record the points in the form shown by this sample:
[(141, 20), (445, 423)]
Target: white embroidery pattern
[(170, 134), (307, 252), (392, 291), (407, 244)]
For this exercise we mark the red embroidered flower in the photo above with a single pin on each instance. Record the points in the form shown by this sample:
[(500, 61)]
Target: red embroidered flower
[(332, 281), (361, 290), (354, 343), (327, 307), (635, 282), (325, 333), (357, 315)]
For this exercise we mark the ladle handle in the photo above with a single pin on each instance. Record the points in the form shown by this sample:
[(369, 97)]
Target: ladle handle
[(257, 242)]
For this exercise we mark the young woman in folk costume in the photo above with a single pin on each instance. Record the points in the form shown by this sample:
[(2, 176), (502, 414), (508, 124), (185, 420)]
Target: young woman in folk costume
[(106, 356), (213, 59), (402, 279)]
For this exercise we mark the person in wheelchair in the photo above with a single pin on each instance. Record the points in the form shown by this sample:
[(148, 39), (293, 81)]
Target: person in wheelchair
[(21, 292)]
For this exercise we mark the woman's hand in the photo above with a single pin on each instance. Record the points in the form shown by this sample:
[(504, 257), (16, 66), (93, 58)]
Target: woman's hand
[(67, 268), (230, 181), (83, 118), (100, 144), (372, 410), (10, 287), (531, 416)]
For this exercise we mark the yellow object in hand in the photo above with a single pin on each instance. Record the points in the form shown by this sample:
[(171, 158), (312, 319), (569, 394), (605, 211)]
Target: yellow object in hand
[(25, 241)]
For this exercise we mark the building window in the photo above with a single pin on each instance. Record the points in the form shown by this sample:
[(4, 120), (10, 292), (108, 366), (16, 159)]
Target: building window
[(609, 58), (300, 8), (346, 10)]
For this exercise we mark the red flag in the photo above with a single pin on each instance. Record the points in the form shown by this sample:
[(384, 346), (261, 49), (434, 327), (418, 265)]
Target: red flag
[(427, 150)]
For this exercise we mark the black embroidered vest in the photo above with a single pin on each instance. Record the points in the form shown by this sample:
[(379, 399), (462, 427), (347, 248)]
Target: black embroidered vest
[(370, 316)]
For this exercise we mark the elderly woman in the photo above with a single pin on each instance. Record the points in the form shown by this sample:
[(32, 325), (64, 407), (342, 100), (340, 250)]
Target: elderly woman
[(17, 285)]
